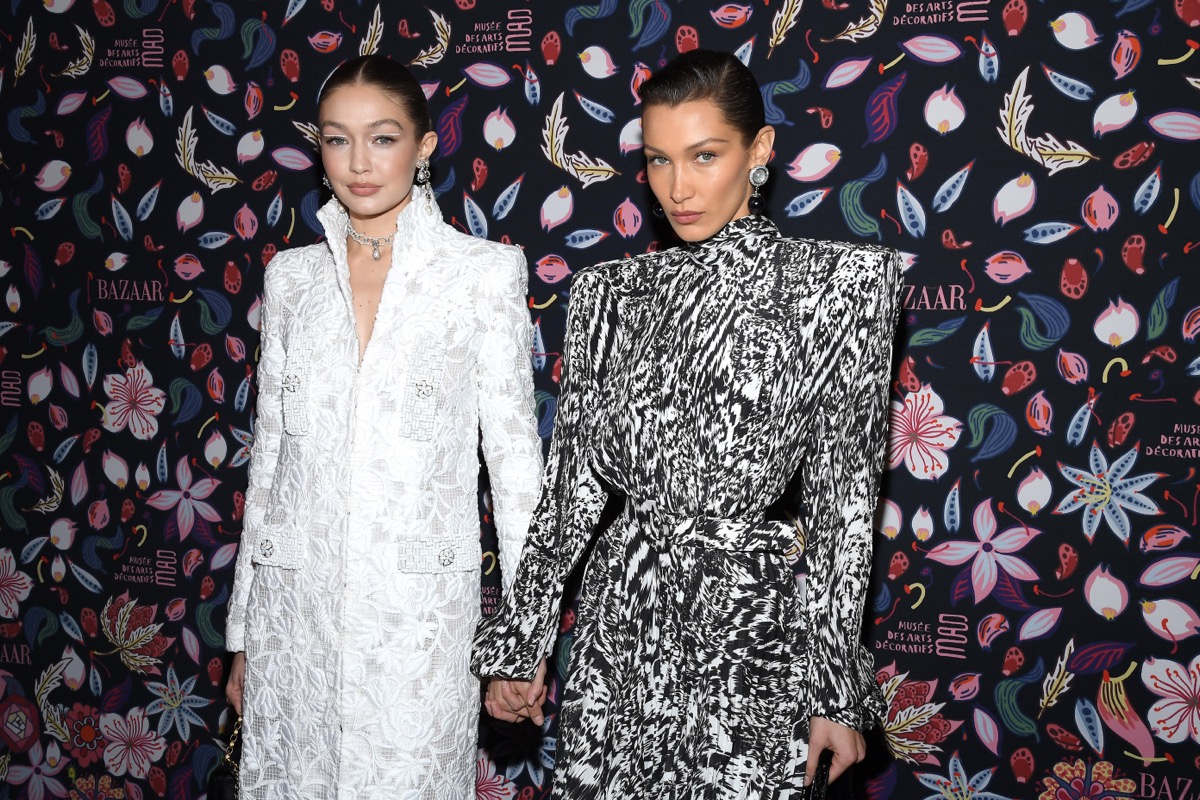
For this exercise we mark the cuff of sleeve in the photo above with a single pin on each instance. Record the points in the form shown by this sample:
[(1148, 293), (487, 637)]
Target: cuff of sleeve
[(867, 708), (855, 717), (512, 642), (235, 636)]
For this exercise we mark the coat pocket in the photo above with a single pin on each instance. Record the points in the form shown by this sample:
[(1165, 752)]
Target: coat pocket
[(295, 386), (422, 396), (439, 556)]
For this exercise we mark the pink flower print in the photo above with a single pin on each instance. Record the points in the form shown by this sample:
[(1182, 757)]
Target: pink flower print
[(991, 553), (490, 784), (39, 775), (921, 434), (132, 746), (1177, 715), (1085, 780), (188, 501), (14, 584), (135, 402)]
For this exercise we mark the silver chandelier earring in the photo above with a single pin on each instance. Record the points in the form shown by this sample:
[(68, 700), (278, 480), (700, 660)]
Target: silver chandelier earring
[(758, 179), (325, 180), (422, 181)]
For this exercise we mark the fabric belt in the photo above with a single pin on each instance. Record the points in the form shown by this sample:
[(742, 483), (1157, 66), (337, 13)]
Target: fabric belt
[(666, 530)]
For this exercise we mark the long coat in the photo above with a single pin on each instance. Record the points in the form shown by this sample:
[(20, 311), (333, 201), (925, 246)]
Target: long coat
[(357, 584), (734, 392)]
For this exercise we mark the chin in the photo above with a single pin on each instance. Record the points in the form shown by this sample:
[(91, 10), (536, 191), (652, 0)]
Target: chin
[(695, 233), (374, 206)]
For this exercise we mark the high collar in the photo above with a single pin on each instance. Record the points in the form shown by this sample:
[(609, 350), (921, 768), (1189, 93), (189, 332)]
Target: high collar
[(414, 224), (737, 247)]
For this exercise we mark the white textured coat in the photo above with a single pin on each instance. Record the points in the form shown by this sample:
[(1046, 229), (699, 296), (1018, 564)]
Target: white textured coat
[(357, 583)]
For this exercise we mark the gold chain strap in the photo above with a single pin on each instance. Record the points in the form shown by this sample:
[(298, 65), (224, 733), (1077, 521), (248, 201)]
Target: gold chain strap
[(233, 737)]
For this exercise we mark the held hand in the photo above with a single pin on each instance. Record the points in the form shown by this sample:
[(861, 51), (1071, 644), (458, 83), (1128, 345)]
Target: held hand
[(847, 744), (237, 679), (513, 701)]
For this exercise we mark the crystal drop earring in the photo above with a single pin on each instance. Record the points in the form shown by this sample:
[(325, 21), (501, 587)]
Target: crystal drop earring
[(758, 178)]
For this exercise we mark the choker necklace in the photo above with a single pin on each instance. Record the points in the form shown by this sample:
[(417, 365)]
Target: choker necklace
[(374, 242)]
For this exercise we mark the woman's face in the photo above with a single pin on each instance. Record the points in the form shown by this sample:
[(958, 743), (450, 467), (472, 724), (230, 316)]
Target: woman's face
[(698, 166), (369, 148)]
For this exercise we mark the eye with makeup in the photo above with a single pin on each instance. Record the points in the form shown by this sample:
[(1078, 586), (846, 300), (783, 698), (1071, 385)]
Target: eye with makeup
[(381, 139)]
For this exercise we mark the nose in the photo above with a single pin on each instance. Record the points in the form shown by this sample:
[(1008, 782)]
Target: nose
[(681, 187), (360, 161)]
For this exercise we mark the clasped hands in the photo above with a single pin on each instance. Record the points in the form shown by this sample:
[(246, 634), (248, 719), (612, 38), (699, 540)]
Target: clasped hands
[(513, 701)]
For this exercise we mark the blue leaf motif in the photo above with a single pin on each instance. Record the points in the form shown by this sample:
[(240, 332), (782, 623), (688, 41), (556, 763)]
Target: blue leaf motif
[(507, 199), (476, 221), (121, 218), (594, 109), (949, 192), (585, 238), (145, 206)]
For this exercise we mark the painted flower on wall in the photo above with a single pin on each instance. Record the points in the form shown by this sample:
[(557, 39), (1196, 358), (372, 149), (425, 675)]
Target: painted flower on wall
[(175, 702), (40, 775), (135, 402), (1084, 780), (489, 784), (914, 726), (14, 584), (956, 785), (990, 553), (921, 434), (188, 500), (132, 746), (1106, 493), (86, 742), (88, 787), (1177, 715), (134, 633)]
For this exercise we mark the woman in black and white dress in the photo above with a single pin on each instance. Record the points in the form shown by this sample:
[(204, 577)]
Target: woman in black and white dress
[(734, 391)]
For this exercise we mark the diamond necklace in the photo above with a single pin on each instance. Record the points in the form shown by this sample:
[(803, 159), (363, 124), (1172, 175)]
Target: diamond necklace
[(374, 242)]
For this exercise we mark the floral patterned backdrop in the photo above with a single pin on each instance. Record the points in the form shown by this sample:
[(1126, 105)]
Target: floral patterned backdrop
[(1034, 614)]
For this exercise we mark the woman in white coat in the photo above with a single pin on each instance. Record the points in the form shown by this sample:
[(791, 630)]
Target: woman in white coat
[(386, 349)]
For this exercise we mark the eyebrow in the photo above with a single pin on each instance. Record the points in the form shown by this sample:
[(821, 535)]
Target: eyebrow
[(372, 125), (696, 146)]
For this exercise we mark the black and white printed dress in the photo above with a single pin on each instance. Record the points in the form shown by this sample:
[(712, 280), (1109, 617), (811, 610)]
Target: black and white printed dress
[(705, 383)]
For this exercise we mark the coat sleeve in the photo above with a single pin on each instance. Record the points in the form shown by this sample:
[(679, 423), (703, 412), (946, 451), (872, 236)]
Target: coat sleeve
[(512, 642), (504, 388), (841, 482), (268, 431)]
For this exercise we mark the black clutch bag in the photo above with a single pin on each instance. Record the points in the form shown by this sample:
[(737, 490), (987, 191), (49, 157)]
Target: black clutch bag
[(821, 788), (223, 780)]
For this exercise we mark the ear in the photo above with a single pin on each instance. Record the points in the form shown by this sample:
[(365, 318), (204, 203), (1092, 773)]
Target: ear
[(763, 144), (427, 145)]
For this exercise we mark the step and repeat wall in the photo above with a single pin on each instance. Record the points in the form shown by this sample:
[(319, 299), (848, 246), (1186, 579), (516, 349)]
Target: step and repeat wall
[(1034, 607)]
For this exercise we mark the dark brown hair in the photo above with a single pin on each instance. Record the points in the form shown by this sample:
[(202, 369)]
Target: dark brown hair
[(389, 77), (714, 76)]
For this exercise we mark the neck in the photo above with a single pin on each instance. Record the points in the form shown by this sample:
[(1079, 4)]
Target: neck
[(377, 225)]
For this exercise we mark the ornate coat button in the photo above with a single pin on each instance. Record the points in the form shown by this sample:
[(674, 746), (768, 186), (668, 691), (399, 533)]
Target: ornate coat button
[(446, 556), (267, 547)]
